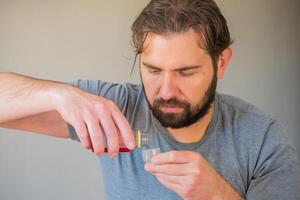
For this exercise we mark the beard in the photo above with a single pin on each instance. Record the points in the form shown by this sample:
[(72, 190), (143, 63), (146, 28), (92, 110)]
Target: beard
[(189, 115)]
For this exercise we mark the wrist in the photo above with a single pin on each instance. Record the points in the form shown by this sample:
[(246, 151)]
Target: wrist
[(226, 191), (54, 93)]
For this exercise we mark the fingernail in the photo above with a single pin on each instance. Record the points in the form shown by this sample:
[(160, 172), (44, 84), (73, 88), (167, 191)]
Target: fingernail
[(147, 167), (131, 145)]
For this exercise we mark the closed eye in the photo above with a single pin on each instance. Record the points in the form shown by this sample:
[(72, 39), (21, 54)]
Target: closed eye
[(187, 72), (153, 70)]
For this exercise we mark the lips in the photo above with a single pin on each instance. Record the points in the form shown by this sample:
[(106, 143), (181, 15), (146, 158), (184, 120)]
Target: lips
[(171, 108)]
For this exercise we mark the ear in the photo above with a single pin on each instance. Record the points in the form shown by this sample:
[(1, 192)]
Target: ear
[(223, 62)]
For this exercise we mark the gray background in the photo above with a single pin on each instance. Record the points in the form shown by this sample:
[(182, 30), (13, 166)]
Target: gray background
[(69, 39)]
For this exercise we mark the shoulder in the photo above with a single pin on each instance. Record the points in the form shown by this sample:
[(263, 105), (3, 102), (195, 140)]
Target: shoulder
[(102, 88), (240, 113), (258, 136), (235, 104), (246, 119)]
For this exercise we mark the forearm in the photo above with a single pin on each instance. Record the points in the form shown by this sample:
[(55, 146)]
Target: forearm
[(23, 96)]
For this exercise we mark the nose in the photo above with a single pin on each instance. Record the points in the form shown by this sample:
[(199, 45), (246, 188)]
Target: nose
[(168, 87)]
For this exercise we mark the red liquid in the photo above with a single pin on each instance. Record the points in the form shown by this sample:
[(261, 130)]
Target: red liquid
[(121, 149)]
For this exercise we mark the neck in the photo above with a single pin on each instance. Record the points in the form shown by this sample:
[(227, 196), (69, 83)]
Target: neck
[(194, 132)]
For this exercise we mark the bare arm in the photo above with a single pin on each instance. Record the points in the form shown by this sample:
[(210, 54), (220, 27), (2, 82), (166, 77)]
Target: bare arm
[(49, 123), (23, 96), (26, 104), (45, 106)]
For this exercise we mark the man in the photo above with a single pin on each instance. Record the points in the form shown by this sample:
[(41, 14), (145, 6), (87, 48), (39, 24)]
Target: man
[(214, 146)]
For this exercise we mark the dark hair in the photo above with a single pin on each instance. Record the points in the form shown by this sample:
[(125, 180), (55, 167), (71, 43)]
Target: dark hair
[(177, 16)]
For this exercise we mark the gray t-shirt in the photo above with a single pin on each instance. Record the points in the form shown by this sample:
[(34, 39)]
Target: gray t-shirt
[(247, 148)]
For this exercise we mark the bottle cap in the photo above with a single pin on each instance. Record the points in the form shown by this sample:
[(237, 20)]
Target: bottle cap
[(141, 139)]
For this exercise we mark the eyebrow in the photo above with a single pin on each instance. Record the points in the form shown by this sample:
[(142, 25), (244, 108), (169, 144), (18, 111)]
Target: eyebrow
[(183, 68)]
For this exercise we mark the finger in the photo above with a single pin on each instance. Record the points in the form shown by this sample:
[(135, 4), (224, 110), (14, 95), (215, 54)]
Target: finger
[(96, 135), (177, 188), (172, 157), (172, 186), (111, 133), (83, 135), (180, 180), (124, 128), (169, 169)]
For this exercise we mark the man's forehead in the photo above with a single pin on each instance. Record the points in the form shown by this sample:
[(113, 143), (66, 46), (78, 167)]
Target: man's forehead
[(188, 39), (173, 51)]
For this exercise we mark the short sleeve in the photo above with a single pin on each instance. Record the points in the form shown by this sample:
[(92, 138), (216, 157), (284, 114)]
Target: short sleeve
[(277, 171)]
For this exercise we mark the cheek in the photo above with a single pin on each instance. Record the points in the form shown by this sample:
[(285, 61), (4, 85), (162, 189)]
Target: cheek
[(150, 86), (192, 93), (194, 89)]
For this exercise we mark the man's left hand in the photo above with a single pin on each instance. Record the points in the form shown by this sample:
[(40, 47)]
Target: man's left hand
[(189, 175)]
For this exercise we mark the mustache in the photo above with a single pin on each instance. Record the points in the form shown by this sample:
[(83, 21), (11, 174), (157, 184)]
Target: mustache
[(170, 102)]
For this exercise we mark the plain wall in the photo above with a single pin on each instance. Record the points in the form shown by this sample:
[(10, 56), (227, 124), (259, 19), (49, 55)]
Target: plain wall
[(88, 39)]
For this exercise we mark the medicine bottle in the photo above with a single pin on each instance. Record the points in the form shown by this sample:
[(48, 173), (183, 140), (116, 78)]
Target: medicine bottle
[(141, 140)]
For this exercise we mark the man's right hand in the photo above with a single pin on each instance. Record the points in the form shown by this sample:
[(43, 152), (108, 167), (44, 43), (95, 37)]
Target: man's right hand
[(95, 120), (45, 106)]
